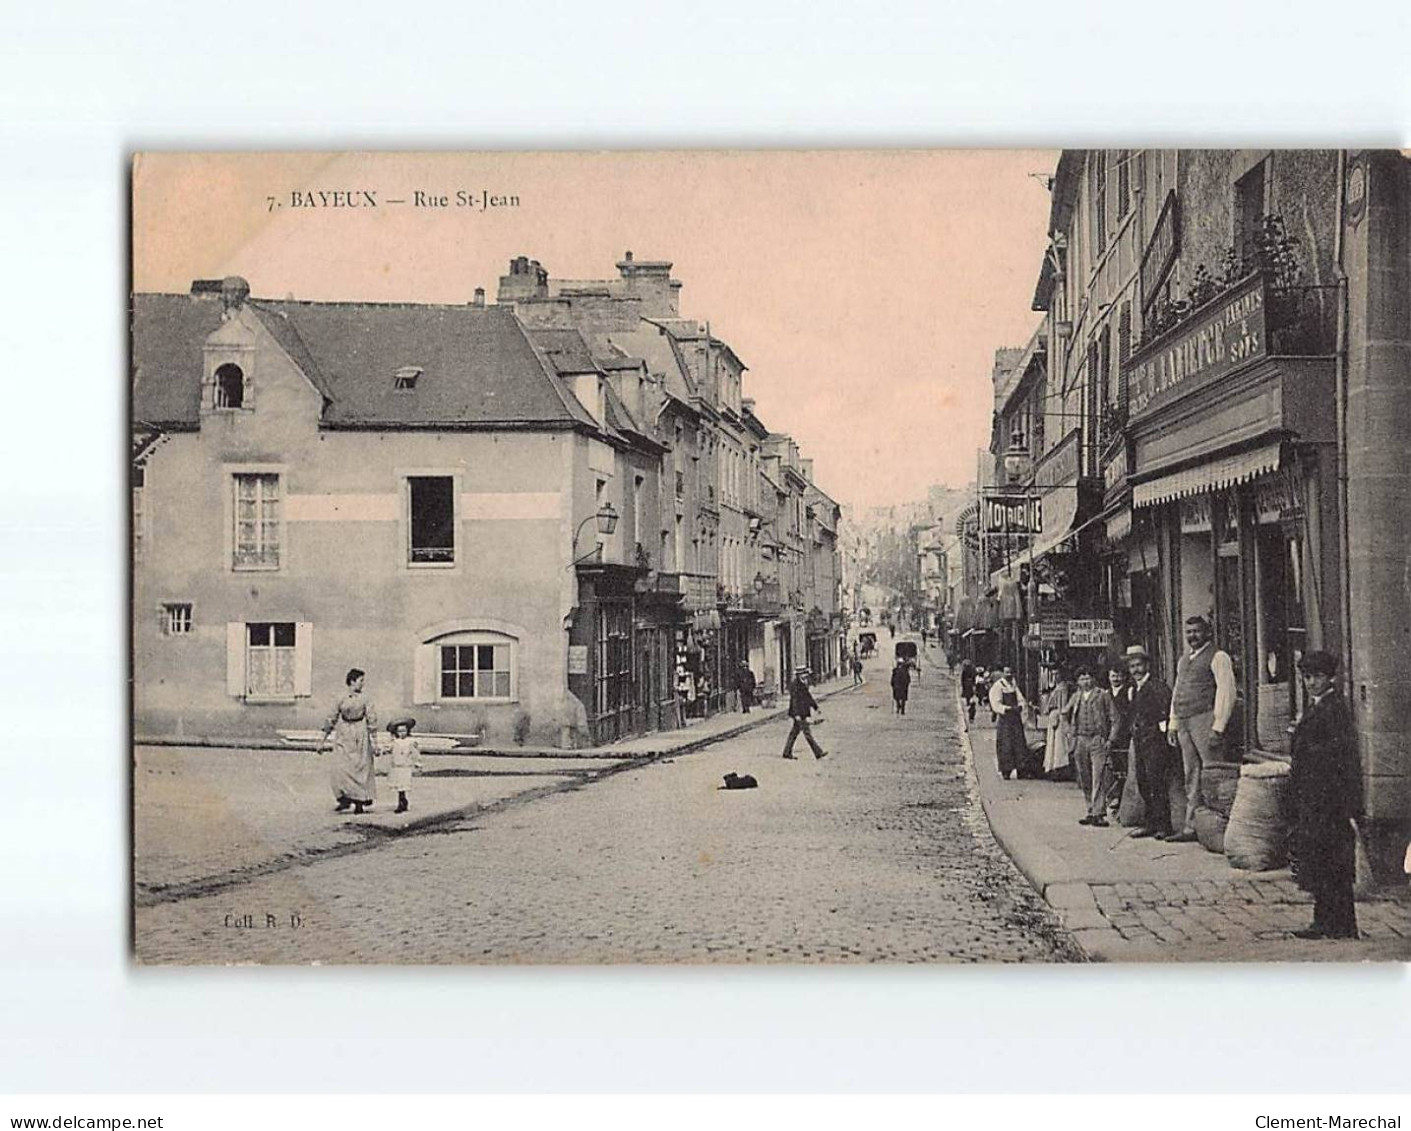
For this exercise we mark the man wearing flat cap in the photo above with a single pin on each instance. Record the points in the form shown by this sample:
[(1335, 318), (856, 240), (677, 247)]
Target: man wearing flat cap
[(1326, 785)]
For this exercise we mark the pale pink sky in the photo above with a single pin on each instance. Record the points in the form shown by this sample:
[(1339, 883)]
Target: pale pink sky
[(866, 291)]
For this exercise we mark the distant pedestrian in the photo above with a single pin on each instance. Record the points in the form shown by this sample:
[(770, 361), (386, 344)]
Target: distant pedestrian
[(856, 667), (406, 756), (1152, 752), (1326, 781), (1008, 704), (350, 725), (801, 705), (967, 686), (1093, 718), (746, 683), (901, 686), (982, 690)]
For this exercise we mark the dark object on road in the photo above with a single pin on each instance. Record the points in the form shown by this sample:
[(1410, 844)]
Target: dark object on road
[(867, 643), (740, 781), (906, 650)]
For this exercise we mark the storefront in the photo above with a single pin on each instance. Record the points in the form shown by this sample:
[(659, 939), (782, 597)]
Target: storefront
[(1233, 494), (601, 645)]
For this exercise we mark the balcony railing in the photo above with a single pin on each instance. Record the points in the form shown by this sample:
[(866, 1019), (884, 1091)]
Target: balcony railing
[(1232, 328)]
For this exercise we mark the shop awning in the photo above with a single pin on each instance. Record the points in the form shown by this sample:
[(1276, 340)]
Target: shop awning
[(1212, 476)]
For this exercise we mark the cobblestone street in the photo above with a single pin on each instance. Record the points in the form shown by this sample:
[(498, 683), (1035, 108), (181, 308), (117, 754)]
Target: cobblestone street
[(879, 853)]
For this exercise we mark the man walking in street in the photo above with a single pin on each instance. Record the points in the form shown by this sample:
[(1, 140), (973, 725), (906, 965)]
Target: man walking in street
[(901, 685), (1326, 781), (967, 686), (1201, 703), (856, 666), (801, 704), (1150, 712), (1094, 720)]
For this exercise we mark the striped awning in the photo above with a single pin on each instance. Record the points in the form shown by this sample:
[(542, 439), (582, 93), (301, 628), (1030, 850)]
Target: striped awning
[(1212, 476)]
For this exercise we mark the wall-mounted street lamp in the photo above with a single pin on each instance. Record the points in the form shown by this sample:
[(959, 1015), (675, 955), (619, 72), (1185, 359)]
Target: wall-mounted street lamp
[(606, 518)]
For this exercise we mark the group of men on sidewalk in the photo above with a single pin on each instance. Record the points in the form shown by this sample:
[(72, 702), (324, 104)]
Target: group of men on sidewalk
[(1166, 735)]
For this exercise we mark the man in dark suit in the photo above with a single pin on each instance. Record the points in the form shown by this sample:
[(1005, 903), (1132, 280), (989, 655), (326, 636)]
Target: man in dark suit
[(1150, 710), (1326, 784)]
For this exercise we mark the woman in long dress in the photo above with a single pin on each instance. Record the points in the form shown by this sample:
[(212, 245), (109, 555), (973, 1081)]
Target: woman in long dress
[(351, 723), (1008, 704), (1058, 728)]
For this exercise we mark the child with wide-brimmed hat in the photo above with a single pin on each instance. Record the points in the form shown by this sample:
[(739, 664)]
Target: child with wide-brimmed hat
[(406, 756)]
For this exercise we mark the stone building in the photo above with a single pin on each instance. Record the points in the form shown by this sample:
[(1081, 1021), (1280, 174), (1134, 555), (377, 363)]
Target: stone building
[(1228, 335)]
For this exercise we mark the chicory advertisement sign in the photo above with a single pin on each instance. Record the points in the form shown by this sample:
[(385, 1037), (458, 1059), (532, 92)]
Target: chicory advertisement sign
[(1227, 335)]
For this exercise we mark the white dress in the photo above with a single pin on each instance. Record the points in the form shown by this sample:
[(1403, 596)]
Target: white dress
[(405, 755)]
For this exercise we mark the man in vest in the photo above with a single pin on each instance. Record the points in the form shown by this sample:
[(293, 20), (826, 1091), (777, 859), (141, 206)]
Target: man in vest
[(1201, 704)]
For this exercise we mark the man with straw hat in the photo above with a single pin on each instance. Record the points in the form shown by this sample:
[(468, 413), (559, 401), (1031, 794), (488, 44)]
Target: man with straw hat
[(801, 704)]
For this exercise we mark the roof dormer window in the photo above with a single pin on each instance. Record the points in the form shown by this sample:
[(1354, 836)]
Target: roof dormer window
[(230, 386), (404, 380)]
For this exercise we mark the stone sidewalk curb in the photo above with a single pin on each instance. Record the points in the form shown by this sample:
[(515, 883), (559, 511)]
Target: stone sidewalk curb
[(1072, 900), (374, 832)]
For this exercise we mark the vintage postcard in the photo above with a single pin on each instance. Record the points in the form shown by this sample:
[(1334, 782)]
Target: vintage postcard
[(770, 557)]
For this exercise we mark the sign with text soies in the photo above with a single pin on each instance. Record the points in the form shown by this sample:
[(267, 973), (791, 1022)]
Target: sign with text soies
[(1012, 514), (1228, 334), (1089, 633), (1161, 251)]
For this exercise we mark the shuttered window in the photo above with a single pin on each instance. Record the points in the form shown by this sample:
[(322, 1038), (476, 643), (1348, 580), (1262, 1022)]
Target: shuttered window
[(269, 660)]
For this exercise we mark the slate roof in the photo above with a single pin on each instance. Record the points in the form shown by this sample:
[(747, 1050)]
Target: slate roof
[(479, 368)]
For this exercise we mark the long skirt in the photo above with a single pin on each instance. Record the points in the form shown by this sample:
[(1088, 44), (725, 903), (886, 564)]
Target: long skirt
[(351, 772), (1058, 746), (1011, 747)]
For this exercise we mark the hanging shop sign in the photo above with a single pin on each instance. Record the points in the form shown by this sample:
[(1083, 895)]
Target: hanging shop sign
[(1053, 632), (1224, 337), (1089, 633), (1160, 254), (1012, 514)]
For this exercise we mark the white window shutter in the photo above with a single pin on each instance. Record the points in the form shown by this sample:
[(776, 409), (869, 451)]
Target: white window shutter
[(235, 659), (304, 658), (424, 678)]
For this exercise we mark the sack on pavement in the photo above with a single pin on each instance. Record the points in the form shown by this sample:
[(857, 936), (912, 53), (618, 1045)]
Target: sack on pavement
[(740, 781), (1256, 838), (1218, 782), (1131, 812), (1210, 829)]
